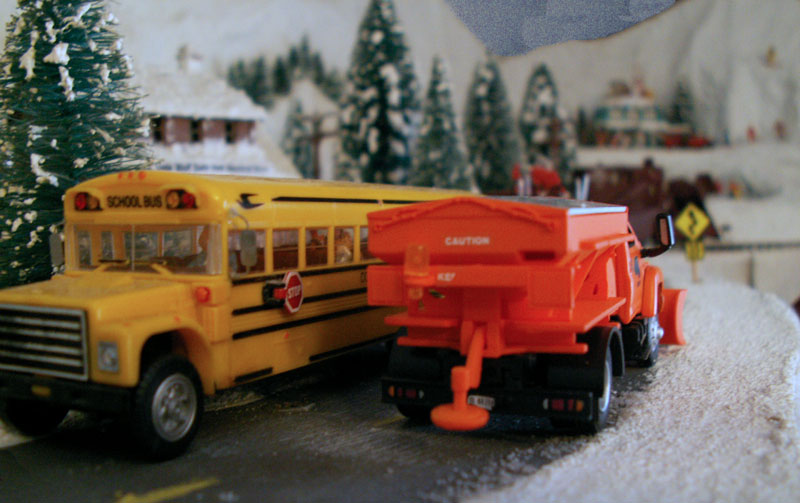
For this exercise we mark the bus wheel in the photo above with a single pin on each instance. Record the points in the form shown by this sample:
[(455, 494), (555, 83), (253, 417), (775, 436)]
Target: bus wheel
[(32, 418), (168, 405)]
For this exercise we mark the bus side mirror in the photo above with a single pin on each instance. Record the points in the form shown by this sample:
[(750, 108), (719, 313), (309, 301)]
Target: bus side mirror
[(665, 236), (249, 248), (56, 250)]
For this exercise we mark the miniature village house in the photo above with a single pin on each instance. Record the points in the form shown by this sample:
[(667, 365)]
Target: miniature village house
[(629, 117), (199, 124)]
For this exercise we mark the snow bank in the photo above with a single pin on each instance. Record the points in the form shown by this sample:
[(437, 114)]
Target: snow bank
[(718, 423)]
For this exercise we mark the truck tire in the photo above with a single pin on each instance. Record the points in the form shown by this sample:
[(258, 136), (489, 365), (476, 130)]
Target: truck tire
[(602, 403), (32, 418), (602, 406), (168, 405)]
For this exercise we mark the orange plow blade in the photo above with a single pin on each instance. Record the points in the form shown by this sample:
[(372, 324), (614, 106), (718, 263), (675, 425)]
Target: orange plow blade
[(671, 317)]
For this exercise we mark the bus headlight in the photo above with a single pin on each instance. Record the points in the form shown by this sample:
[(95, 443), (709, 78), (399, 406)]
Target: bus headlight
[(108, 357)]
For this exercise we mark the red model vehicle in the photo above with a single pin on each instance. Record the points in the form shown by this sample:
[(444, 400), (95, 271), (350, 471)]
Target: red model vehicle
[(520, 305)]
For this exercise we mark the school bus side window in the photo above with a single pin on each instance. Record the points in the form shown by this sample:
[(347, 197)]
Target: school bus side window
[(344, 244), (316, 246), (235, 249), (84, 249), (364, 235), (285, 249)]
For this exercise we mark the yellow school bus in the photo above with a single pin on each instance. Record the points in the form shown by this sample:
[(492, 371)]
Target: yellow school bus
[(177, 285)]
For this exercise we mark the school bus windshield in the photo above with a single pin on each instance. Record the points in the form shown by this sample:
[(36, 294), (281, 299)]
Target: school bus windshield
[(179, 249)]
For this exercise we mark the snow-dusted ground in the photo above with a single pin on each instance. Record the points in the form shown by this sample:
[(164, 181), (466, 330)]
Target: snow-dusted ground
[(719, 422)]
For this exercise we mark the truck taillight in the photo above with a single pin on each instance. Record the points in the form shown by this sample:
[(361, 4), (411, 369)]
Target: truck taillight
[(180, 199), (86, 202)]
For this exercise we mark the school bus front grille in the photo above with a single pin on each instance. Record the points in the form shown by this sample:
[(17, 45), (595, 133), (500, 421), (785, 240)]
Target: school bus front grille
[(44, 341)]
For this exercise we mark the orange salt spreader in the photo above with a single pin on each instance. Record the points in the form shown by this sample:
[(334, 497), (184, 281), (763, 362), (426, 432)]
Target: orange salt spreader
[(517, 305)]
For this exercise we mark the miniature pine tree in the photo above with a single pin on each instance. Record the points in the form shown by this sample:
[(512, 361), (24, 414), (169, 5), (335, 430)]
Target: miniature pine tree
[(683, 106), (545, 125), (258, 87), (438, 160), (68, 114), (297, 142), (380, 101), (488, 127), (238, 75), (281, 79)]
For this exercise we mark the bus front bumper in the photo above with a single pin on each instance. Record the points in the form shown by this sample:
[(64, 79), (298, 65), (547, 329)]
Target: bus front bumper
[(71, 394)]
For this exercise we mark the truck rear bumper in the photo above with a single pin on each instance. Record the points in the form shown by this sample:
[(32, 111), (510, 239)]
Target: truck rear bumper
[(540, 402), (70, 394)]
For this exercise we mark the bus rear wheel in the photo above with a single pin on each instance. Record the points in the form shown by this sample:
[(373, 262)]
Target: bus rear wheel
[(168, 405)]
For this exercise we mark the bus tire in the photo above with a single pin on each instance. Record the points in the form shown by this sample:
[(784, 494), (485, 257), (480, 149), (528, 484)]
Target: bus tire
[(167, 408), (30, 417)]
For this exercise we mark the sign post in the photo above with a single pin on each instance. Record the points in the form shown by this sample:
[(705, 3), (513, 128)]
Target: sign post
[(692, 222)]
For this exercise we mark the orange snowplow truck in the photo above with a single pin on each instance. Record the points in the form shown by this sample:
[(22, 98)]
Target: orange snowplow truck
[(517, 305)]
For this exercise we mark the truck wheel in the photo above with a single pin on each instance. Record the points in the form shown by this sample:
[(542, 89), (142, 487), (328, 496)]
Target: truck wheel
[(602, 402), (168, 405), (32, 418), (602, 405), (651, 359)]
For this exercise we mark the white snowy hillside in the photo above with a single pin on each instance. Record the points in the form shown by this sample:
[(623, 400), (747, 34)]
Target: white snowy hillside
[(719, 46)]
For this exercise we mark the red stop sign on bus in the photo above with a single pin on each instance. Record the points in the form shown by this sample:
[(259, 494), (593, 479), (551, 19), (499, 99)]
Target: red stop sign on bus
[(294, 292)]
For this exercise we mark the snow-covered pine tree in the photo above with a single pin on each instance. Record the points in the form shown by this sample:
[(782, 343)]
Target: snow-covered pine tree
[(545, 125), (68, 114), (380, 103), (297, 141), (438, 160), (489, 130)]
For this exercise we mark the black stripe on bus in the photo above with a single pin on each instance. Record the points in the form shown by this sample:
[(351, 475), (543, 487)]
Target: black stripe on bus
[(306, 321), (253, 375), (308, 300), (354, 200), (303, 274), (347, 349)]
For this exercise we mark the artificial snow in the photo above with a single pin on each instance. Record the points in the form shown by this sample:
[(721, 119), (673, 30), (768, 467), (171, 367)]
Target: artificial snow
[(82, 10), (28, 60), (105, 73), (58, 55), (42, 175), (66, 83), (717, 423), (192, 95)]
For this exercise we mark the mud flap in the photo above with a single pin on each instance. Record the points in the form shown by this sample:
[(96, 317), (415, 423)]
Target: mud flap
[(671, 316)]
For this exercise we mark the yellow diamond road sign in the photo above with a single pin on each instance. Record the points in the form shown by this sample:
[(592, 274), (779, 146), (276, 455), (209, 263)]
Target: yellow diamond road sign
[(692, 221)]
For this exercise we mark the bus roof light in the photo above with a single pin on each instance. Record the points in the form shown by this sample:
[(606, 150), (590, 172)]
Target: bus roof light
[(180, 199)]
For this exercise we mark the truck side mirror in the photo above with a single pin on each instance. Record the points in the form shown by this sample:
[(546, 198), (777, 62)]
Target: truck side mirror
[(665, 235), (249, 248), (56, 250)]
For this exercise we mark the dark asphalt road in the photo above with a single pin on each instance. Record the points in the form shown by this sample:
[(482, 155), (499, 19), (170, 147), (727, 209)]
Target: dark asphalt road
[(320, 435)]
